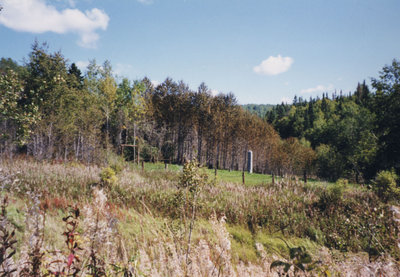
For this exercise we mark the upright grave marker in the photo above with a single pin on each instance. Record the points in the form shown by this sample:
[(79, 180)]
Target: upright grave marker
[(250, 161)]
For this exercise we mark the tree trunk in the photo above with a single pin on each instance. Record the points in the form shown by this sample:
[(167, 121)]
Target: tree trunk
[(199, 145), (217, 156), (134, 142)]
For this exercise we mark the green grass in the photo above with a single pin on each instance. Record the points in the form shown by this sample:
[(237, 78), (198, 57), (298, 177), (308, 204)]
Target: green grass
[(235, 177), (224, 176), (158, 166), (276, 244), (243, 244)]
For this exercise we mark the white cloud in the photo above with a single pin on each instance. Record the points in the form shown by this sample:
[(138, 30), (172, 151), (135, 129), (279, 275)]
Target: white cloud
[(35, 16), (274, 65), (319, 88)]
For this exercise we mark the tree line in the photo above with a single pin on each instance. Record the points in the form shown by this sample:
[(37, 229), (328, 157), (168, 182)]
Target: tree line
[(51, 110), (258, 109), (354, 135)]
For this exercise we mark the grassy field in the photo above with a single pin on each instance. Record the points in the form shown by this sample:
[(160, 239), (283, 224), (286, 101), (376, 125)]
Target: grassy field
[(141, 220), (226, 176)]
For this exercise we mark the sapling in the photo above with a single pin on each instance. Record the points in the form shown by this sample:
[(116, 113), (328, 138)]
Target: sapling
[(191, 181)]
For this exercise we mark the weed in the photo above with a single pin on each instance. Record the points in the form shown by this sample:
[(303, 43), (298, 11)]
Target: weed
[(7, 242), (69, 266), (34, 252)]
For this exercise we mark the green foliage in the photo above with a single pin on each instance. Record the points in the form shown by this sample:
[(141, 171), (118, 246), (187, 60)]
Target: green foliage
[(115, 162), (108, 177), (51, 110), (241, 235), (149, 153), (329, 162), (347, 131), (315, 234), (8, 64), (258, 109), (386, 106), (17, 118), (277, 244), (192, 178), (332, 196), (130, 100), (385, 185)]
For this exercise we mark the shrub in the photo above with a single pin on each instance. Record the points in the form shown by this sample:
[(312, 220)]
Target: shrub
[(149, 153), (191, 177), (192, 180), (385, 185), (116, 162), (332, 196), (329, 163), (108, 177)]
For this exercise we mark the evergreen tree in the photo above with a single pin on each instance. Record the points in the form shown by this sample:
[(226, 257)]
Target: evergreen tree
[(387, 109)]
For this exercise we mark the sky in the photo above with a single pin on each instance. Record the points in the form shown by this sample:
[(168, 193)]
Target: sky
[(263, 51)]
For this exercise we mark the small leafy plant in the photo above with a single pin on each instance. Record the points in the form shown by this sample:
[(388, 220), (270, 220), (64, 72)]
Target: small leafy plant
[(108, 177), (191, 181)]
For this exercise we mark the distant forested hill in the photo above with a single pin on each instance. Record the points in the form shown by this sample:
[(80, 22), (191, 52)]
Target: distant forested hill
[(258, 109)]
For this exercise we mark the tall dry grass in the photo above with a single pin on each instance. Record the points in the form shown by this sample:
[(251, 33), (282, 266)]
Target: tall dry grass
[(135, 227)]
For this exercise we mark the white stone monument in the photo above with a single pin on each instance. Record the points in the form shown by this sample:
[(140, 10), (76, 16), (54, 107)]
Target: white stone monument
[(250, 161)]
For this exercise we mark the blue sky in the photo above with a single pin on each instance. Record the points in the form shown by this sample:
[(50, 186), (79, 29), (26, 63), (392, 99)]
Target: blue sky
[(263, 51)]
